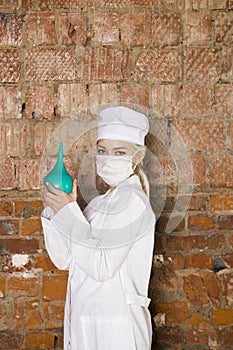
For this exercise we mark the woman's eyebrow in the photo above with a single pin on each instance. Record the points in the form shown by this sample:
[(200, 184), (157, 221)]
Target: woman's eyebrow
[(115, 148)]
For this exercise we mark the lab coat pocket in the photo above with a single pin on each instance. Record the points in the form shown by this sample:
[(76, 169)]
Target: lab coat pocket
[(105, 333)]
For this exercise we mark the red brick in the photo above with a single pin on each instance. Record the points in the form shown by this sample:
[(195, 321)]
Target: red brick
[(135, 29), (19, 311), (100, 94), (9, 227), (2, 288), (197, 28), (221, 170), (166, 99), (198, 202), (225, 336), (165, 29), (63, 4), (205, 4), (71, 99), (165, 333), (223, 28), (19, 246), (198, 133), (228, 287), (135, 94), (5, 208), (105, 27), (202, 222), (201, 65), (200, 337), (33, 320), (31, 227), (7, 174), (161, 66), (116, 64), (197, 100), (9, 66), (23, 286), (174, 261), (163, 220), (227, 64), (199, 163), (29, 172), (43, 133), (200, 261), (72, 28), (40, 102), (212, 287), (50, 64), (217, 4), (176, 312), (14, 138), (173, 5), (44, 263), (10, 340), (54, 287), (199, 321), (54, 315), (165, 285), (11, 27), (187, 243), (221, 202), (40, 28), (10, 102), (195, 291), (225, 222), (223, 99), (28, 208), (222, 317), (40, 340)]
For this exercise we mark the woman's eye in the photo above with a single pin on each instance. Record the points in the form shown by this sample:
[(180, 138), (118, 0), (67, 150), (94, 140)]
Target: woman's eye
[(100, 151), (120, 153)]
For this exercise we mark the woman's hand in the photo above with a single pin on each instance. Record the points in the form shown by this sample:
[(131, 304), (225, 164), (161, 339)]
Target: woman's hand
[(58, 199)]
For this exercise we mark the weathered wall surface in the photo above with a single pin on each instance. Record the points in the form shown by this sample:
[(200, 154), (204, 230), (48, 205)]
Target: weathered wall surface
[(174, 56)]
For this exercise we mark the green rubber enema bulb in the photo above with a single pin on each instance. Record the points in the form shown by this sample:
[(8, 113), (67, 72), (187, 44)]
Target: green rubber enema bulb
[(59, 176)]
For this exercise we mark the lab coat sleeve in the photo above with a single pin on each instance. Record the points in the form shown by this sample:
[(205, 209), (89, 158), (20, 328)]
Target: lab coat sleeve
[(55, 243), (97, 262)]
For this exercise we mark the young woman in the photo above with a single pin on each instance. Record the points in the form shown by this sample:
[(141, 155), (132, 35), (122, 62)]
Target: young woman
[(108, 247)]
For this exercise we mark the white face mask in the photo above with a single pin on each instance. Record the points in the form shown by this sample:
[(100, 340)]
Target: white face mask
[(114, 169)]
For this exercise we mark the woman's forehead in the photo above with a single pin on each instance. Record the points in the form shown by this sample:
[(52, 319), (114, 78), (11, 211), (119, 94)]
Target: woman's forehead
[(114, 143)]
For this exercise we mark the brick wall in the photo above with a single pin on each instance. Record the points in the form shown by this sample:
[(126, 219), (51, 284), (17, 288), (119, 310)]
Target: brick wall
[(173, 56)]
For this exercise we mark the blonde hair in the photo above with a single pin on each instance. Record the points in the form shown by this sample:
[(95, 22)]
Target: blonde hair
[(140, 171)]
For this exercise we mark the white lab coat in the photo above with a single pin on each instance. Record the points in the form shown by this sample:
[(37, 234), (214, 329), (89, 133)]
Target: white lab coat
[(108, 250)]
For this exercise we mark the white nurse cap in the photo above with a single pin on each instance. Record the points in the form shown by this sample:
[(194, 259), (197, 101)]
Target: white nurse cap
[(121, 123)]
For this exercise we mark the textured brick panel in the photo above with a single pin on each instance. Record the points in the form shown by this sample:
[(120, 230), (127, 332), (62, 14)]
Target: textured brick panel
[(201, 65), (135, 29), (135, 94), (176, 312), (14, 139), (165, 29), (102, 94), (39, 102), (19, 246), (197, 100), (105, 27), (9, 66), (199, 164), (195, 5), (202, 135), (54, 287), (40, 28), (10, 29), (42, 134), (29, 172), (221, 170), (128, 4), (224, 28), (227, 64), (105, 64), (197, 28), (44, 339), (166, 99), (221, 202), (71, 99), (50, 64), (230, 4), (11, 341), (224, 99), (64, 4), (7, 174), (10, 102), (72, 28), (157, 67)]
